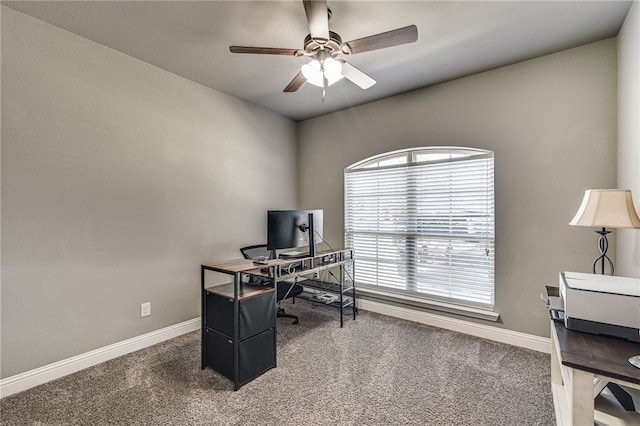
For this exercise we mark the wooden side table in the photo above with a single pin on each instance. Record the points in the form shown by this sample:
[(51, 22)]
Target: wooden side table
[(577, 360)]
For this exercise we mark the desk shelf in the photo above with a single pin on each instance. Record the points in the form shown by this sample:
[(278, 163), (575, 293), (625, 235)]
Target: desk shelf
[(307, 270), (310, 267), (346, 302), (244, 291), (328, 287)]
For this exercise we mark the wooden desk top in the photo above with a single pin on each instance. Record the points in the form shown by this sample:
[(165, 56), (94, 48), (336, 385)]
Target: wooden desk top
[(233, 266), (245, 265), (600, 355)]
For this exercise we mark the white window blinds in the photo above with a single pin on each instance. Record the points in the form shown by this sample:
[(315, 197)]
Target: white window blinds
[(422, 222)]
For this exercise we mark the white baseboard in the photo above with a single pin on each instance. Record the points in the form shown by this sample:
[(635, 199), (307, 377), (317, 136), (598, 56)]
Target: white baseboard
[(38, 376), (528, 341)]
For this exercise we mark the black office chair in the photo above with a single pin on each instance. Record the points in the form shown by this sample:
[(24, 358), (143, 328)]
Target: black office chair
[(285, 290)]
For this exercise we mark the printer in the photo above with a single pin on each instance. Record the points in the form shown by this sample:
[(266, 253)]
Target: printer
[(601, 304)]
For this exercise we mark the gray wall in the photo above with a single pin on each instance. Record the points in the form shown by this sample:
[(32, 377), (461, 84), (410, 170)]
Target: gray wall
[(628, 262), (118, 180), (552, 125)]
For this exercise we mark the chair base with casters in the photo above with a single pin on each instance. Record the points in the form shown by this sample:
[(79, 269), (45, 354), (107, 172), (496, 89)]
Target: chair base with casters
[(285, 289)]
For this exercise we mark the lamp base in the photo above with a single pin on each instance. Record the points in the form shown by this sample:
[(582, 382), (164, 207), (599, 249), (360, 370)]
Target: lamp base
[(603, 245), (635, 361)]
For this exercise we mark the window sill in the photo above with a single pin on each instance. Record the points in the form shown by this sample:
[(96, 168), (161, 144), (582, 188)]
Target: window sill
[(435, 305)]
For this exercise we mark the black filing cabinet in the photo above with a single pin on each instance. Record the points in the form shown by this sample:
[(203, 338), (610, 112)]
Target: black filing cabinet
[(256, 314), (238, 339)]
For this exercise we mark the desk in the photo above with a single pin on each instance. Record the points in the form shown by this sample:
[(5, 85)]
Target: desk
[(579, 358), (239, 318)]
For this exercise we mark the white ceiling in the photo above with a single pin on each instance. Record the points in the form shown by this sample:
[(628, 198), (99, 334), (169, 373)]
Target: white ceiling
[(455, 39)]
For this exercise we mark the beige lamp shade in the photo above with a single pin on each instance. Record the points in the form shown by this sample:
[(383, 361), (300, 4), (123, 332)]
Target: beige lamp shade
[(607, 208)]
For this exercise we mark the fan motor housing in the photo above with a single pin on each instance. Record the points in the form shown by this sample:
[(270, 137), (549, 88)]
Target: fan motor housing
[(332, 45)]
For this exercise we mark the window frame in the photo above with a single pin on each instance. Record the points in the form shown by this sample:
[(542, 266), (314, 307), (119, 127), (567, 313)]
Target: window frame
[(426, 158)]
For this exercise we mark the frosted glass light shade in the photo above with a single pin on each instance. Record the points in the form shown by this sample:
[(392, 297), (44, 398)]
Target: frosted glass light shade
[(332, 69), (607, 208), (313, 72)]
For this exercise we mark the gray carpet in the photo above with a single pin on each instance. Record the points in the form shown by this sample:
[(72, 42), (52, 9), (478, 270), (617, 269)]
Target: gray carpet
[(376, 370)]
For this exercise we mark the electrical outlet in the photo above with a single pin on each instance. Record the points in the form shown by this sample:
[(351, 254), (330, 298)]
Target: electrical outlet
[(145, 309)]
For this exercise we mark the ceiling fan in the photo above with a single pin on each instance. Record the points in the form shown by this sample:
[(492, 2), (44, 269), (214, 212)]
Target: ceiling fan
[(324, 47)]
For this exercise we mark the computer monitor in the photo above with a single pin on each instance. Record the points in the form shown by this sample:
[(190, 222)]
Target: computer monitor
[(288, 229)]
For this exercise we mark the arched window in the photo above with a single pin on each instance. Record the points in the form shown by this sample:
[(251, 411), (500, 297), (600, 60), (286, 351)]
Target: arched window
[(421, 223)]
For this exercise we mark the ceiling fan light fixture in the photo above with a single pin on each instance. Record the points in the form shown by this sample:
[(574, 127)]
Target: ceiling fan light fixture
[(313, 72), (332, 69)]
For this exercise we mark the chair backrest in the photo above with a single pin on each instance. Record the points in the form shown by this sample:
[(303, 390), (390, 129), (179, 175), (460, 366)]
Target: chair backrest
[(258, 250)]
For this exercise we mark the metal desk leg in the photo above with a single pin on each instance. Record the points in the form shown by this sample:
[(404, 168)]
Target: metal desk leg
[(236, 331)]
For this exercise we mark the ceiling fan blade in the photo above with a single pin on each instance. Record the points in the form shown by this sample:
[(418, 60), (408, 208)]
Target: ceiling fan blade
[(318, 18), (355, 75), (391, 38), (266, 50), (296, 83)]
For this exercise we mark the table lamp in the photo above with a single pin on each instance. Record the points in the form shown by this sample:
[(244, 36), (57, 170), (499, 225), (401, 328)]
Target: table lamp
[(606, 208)]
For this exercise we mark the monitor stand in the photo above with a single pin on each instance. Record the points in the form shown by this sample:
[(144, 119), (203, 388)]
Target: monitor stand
[(293, 255)]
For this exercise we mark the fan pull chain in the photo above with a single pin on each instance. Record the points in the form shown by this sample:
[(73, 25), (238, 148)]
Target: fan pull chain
[(324, 83)]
